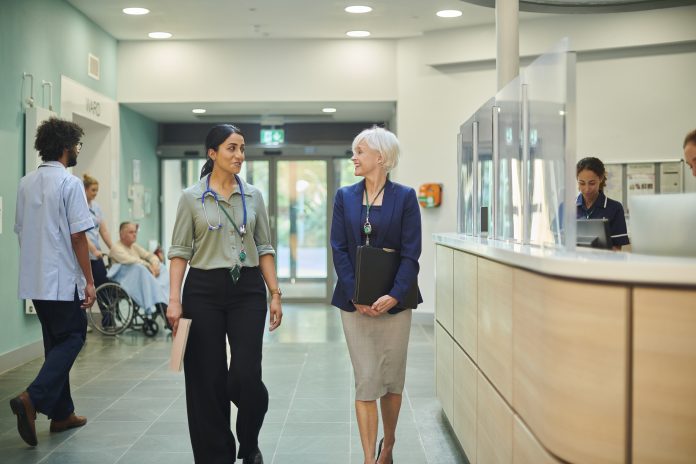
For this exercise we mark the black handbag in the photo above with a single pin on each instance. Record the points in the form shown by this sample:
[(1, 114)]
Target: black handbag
[(375, 271)]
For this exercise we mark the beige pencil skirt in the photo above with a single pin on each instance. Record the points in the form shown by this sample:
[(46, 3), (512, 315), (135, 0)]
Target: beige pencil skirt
[(378, 347)]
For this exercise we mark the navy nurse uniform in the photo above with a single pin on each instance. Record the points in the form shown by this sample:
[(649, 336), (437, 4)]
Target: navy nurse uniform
[(606, 208)]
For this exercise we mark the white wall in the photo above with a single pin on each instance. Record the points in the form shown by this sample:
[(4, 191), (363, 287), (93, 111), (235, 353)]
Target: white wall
[(634, 87), (101, 153), (257, 71), (636, 108)]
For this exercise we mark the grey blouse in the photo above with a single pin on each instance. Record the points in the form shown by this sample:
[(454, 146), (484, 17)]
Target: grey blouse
[(211, 249)]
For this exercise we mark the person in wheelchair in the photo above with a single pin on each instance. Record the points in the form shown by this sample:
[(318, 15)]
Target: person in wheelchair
[(139, 272)]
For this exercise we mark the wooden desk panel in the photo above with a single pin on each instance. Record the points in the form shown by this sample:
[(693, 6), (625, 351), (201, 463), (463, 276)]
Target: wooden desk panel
[(494, 419), (465, 398), (495, 324), (444, 274), (664, 376), (571, 366), (526, 449), (465, 322), (444, 369)]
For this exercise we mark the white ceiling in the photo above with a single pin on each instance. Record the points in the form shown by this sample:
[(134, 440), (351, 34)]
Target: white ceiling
[(296, 19), (277, 19), (269, 113)]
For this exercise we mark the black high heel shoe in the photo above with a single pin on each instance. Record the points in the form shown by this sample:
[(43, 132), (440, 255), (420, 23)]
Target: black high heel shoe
[(379, 450)]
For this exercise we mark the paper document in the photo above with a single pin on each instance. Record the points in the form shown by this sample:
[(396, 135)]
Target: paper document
[(176, 360)]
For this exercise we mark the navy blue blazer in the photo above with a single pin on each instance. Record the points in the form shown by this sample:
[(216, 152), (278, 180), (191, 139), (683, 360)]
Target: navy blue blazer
[(399, 228)]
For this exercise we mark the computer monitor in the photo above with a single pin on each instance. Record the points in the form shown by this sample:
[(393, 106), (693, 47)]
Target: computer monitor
[(663, 224), (593, 233)]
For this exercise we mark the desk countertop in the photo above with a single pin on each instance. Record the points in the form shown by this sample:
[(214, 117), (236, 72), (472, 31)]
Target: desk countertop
[(582, 264)]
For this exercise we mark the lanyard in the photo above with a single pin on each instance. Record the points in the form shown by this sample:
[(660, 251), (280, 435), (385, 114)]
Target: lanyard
[(241, 230), (367, 227), (234, 224), (236, 271)]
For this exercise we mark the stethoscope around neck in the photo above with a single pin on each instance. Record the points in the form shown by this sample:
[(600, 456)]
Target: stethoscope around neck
[(211, 193)]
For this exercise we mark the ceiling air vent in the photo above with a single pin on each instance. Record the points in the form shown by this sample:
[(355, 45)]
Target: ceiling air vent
[(93, 68)]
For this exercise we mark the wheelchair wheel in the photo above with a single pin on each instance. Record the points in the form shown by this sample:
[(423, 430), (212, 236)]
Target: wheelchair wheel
[(113, 310), (150, 327)]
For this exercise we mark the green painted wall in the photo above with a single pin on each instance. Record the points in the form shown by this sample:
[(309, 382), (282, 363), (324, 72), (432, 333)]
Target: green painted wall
[(47, 38), (139, 137)]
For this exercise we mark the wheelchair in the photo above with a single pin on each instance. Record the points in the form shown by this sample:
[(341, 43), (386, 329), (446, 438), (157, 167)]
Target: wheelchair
[(115, 312)]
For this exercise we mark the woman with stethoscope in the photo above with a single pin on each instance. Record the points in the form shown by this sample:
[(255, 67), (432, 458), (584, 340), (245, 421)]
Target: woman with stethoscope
[(222, 232)]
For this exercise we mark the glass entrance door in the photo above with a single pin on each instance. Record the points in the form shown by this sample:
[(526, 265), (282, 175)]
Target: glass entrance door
[(302, 227), (298, 194)]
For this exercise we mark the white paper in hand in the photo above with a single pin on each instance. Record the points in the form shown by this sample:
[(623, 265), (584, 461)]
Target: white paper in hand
[(176, 361)]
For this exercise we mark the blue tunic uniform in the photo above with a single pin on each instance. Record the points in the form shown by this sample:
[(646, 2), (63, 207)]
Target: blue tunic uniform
[(606, 208)]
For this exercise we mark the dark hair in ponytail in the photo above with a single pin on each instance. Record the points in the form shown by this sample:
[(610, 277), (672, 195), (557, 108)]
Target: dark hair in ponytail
[(217, 135)]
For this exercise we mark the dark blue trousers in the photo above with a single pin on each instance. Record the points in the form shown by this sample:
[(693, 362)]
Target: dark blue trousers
[(64, 326)]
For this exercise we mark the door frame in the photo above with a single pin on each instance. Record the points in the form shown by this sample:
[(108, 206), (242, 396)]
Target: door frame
[(331, 187)]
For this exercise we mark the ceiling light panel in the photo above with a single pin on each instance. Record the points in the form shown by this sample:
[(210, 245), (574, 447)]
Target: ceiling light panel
[(136, 11), (358, 9), (159, 35), (358, 34), (449, 13)]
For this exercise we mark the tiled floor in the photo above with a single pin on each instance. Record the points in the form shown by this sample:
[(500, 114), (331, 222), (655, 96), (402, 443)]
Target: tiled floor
[(136, 407)]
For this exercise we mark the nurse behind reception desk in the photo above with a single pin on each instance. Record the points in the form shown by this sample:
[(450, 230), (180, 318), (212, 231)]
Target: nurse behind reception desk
[(592, 203)]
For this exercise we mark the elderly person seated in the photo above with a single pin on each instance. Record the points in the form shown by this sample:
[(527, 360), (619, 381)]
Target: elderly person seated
[(138, 271)]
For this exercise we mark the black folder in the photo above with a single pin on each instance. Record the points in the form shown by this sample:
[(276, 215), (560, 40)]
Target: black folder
[(375, 270)]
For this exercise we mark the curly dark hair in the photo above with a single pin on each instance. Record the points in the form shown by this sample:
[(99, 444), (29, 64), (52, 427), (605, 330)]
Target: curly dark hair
[(595, 165), (690, 138), (55, 135)]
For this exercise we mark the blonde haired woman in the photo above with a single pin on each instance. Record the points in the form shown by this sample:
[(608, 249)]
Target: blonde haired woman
[(100, 229), (384, 214)]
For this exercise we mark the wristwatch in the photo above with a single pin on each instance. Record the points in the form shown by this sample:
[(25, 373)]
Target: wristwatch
[(277, 291)]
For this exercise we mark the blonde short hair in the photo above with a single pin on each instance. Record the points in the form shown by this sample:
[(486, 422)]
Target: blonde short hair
[(382, 140)]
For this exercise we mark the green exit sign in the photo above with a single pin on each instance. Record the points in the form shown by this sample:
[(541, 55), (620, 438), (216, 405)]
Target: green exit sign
[(272, 136)]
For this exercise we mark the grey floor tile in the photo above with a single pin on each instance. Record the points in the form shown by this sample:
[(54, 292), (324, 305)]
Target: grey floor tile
[(318, 444), (156, 457), (137, 409), (323, 458), (108, 456), (318, 415), (175, 443)]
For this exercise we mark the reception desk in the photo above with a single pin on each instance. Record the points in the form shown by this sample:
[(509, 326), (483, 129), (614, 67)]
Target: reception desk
[(547, 356)]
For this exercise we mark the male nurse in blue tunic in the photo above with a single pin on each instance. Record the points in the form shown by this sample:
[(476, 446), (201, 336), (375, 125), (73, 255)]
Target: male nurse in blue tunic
[(55, 273)]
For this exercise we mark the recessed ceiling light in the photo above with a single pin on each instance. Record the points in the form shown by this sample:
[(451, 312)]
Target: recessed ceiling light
[(358, 9), (159, 35), (449, 13), (136, 11), (358, 34), (329, 110), (198, 110)]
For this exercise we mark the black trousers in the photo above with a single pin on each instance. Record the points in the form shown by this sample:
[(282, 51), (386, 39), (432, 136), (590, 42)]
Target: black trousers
[(64, 326), (98, 272), (219, 308)]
